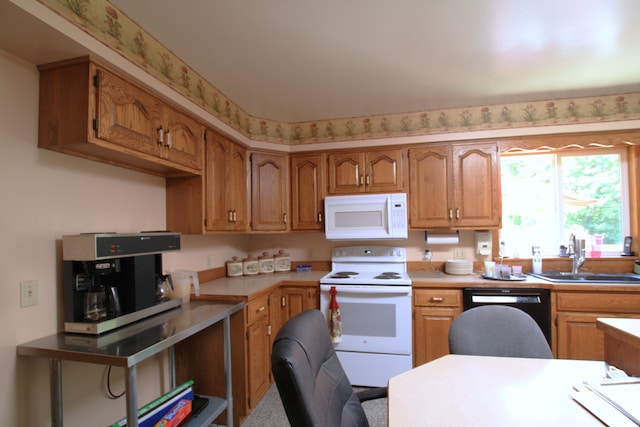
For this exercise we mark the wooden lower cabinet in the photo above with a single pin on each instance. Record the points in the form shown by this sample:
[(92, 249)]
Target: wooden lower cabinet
[(577, 312), (434, 311), (252, 333)]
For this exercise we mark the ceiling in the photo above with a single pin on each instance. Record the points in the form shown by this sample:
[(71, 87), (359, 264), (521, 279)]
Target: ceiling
[(295, 61), (292, 60)]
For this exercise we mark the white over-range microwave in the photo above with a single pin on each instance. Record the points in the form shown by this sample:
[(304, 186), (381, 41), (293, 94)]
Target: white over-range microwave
[(366, 216)]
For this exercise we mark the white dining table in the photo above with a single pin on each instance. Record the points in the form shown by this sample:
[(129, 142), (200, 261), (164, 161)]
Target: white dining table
[(457, 390)]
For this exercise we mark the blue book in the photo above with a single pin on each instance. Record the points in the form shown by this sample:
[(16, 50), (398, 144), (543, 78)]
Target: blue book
[(161, 404)]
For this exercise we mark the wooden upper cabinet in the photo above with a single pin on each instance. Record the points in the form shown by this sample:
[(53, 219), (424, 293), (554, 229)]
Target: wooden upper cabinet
[(269, 192), (88, 111), (128, 116), (308, 188), (476, 181), (374, 171), (183, 139), (226, 184), (431, 192), (455, 186)]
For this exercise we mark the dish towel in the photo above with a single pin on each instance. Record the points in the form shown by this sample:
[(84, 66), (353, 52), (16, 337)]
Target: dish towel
[(335, 322)]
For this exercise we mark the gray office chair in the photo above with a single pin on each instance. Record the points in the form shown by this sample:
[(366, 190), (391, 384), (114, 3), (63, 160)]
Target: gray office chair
[(313, 386), (496, 330)]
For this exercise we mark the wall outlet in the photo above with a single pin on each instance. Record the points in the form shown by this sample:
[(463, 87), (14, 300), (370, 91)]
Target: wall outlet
[(28, 293), (458, 253)]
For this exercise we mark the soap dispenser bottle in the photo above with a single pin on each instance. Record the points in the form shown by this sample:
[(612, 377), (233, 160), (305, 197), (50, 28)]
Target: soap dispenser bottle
[(536, 260)]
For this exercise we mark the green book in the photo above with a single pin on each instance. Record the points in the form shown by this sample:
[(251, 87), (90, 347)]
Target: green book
[(156, 402)]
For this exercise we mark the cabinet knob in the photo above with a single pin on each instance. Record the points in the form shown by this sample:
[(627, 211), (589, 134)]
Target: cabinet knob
[(284, 218)]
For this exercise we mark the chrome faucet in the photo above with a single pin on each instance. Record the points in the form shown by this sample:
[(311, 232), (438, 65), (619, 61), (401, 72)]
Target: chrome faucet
[(577, 253)]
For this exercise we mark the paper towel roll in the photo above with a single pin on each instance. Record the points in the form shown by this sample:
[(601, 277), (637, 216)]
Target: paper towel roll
[(442, 238)]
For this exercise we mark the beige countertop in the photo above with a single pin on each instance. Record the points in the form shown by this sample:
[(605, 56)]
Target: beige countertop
[(246, 286)]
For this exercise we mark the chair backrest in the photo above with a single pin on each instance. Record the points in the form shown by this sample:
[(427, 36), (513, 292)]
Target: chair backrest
[(313, 386), (496, 330)]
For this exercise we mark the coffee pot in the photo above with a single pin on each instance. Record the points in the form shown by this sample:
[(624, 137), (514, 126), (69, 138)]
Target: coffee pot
[(95, 303), (165, 287)]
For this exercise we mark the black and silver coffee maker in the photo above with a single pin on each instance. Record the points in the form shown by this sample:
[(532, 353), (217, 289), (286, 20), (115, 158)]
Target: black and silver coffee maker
[(111, 280)]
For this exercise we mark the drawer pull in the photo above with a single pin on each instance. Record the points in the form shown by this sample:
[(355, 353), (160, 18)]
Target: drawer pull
[(260, 310), (437, 299)]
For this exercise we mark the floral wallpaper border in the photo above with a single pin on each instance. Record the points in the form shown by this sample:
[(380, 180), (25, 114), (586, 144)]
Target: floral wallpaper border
[(105, 22)]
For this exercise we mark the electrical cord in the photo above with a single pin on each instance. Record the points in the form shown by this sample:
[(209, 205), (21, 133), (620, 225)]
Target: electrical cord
[(110, 394)]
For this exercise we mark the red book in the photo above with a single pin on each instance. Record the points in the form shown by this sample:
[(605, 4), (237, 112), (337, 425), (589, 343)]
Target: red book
[(178, 413)]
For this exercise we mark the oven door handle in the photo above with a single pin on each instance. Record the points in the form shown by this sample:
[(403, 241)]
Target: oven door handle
[(369, 290)]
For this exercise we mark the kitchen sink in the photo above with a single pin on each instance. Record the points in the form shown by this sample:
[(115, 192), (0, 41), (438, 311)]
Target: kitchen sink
[(567, 277)]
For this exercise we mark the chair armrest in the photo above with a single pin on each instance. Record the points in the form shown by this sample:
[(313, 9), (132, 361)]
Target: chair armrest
[(372, 393)]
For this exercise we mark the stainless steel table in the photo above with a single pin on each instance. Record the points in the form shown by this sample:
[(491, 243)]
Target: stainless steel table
[(128, 346)]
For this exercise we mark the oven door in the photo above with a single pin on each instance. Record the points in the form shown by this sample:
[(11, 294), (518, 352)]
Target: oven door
[(375, 319)]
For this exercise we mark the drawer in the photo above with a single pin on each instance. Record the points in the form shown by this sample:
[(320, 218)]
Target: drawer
[(257, 308), (438, 297), (599, 302)]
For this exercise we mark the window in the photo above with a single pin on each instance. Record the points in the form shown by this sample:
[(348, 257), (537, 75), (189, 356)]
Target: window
[(547, 197)]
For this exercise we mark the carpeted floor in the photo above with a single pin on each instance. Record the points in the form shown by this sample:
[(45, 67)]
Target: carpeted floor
[(270, 413)]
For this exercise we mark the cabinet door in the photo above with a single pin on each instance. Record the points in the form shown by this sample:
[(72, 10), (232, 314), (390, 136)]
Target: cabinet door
[(269, 198), (431, 332), (476, 177), (127, 116), (226, 184), (579, 337), (430, 187), (308, 186), (384, 171), (259, 359), (346, 173), (183, 139), (236, 187)]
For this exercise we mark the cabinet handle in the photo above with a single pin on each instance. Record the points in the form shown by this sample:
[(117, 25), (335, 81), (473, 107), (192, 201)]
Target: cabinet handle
[(160, 136), (368, 180), (269, 330), (437, 299), (457, 213), (320, 217), (450, 214), (229, 215), (283, 302), (284, 218), (261, 309), (235, 216), (361, 180), (168, 142)]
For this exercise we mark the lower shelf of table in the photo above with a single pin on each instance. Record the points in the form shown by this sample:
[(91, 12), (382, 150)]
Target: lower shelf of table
[(209, 413)]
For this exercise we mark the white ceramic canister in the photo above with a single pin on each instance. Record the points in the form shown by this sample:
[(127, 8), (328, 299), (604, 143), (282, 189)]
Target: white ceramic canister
[(282, 261), (265, 263), (250, 266), (234, 267)]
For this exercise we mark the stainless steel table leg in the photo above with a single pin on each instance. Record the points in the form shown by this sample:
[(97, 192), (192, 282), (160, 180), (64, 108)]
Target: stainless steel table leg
[(55, 385), (132, 396), (227, 369)]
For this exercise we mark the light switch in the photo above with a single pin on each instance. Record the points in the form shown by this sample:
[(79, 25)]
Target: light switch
[(28, 293)]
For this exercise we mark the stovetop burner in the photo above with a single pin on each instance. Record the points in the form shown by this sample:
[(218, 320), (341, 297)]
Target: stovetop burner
[(388, 275)]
